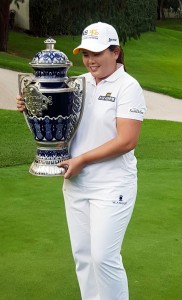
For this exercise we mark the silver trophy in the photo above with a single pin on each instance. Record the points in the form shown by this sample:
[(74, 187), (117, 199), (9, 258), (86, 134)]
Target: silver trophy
[(53, 108)]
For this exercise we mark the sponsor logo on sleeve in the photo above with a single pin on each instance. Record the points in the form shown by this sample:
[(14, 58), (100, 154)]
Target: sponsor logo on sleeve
[(136, 111)]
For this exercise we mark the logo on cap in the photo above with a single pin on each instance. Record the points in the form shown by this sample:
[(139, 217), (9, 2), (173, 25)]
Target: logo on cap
[(91, 33), (112, 40)]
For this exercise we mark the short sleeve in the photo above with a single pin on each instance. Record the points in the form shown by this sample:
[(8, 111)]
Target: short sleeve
[(131, 101)]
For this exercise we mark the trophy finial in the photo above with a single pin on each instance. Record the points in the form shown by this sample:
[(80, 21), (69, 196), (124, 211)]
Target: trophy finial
[(50, 58), (49, 43)]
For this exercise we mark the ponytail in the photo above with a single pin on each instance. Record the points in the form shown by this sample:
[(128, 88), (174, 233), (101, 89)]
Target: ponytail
[(120, 59)]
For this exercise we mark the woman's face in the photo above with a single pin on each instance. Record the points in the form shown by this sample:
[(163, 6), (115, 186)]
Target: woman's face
[(100, 64)]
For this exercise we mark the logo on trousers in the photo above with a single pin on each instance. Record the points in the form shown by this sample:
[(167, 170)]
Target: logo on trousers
[(120, 200)]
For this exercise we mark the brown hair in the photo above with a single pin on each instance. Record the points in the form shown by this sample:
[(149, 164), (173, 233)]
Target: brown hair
[(120, 58)]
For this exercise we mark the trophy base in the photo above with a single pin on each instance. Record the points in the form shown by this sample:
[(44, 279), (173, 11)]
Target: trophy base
[(45, 163)]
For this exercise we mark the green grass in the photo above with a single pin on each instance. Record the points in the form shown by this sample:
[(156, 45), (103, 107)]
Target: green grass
[(24, 47), (17, 143), (173, 24), (15, 63), (35, 255), (154, 59)]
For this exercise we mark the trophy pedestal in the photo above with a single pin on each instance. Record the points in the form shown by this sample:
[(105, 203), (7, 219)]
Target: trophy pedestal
[(46, 160)]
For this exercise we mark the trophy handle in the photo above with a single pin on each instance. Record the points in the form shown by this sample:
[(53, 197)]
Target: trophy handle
[(78, 89), (22, 78), (21, 81), (83, 92), (78, 83)]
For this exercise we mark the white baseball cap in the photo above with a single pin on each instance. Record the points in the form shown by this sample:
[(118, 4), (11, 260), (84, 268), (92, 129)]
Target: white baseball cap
[(98, 37)]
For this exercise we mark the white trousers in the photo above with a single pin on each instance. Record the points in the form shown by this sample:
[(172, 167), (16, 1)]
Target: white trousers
[(97, 221)]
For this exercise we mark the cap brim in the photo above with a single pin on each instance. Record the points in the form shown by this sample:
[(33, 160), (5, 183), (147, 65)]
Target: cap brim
[(90, 47)]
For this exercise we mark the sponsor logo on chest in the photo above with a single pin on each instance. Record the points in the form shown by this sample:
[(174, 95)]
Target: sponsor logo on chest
[(107, 97)]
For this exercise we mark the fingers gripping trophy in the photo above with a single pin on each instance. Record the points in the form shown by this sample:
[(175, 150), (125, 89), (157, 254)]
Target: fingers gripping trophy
[(53, 108)]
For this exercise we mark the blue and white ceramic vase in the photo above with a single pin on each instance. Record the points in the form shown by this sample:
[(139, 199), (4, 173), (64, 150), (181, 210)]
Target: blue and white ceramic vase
[(53, 108)]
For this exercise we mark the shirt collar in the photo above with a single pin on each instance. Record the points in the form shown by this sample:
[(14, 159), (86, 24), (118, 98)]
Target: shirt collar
[(114, 76)]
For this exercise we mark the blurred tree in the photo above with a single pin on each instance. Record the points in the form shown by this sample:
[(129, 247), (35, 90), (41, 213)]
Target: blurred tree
[(168, 4), (129, 17), (4, 21)]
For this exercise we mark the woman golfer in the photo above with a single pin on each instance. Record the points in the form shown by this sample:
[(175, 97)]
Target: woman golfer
[(100, 183)]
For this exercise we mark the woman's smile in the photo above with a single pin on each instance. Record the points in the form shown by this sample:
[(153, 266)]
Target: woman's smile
[(93, 68), (100, 64)]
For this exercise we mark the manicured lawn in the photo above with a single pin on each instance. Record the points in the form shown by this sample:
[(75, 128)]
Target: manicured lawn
[(17, 144), (173, 24), (155, 60), (35, 255)]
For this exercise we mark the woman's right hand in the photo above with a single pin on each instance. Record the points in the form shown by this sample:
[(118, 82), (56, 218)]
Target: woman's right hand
[(20, 103)]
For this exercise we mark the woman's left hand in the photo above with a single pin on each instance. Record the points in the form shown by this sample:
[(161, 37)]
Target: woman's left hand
[(72, 166)]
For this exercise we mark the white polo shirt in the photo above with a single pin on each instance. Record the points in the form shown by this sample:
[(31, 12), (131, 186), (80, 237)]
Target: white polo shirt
[(119, 95)]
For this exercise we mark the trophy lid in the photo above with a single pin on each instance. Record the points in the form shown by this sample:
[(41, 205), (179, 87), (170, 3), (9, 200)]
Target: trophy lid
[(50, 57)]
